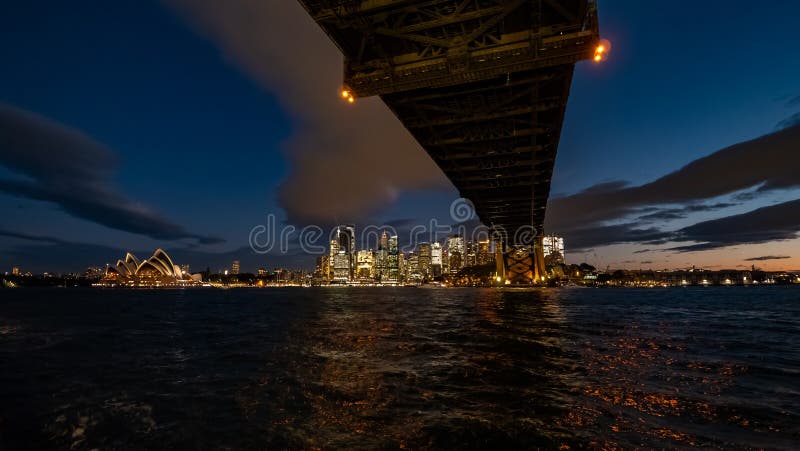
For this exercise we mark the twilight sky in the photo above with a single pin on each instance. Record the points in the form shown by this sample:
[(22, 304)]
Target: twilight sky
[(182, 124)]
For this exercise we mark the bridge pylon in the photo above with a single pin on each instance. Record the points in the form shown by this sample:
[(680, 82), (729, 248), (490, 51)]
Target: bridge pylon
[(521, 264)]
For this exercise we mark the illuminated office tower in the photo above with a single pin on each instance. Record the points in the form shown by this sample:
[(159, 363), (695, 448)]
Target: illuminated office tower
[(484, 252), (436, 259), (334, 251), (553, 249), (392, 262), (365, 265), (424, 260), (323, 269), (412, 270), (381, 256), (344, 258), (235, 267), (470, 254), (455, 253)]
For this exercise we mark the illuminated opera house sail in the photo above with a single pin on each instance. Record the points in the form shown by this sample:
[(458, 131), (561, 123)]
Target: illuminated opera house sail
[(158, 270)]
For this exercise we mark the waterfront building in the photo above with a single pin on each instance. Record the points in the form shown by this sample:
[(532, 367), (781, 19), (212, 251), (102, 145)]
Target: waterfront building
[(323, 270), (381, 256), (158, 270), (341, 268), (412, 271), (342, 256), (365, 265), (235, 267), (455, 253), (392, 262), (436, 260), (553, 249), (15, 271), (470, 254), (484, 252), (424, 251), (334, 249)]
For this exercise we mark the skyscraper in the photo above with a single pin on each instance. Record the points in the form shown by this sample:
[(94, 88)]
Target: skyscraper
[(235, 267), (436, 259), (365, 265), (485, 256), (424, 260), (381, 256), (392, 262), (323, 270), (470, 254), (553, 249), (455, 253), (343, 254)]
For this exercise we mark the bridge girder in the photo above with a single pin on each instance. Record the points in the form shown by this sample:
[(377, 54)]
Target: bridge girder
[(481, 84)]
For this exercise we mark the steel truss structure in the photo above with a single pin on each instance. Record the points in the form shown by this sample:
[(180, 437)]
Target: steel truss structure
[(481, 84)]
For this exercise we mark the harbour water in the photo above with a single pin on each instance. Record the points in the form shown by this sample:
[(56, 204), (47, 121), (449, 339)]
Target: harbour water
[(400, 368)]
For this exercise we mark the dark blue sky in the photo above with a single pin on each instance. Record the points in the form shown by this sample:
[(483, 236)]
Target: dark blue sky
[(204, 136)]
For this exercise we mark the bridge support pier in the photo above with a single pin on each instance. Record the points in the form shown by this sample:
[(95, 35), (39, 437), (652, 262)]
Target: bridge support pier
[(521, 264)]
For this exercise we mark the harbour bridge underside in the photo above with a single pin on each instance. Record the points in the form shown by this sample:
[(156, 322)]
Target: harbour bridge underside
[(483, 87)]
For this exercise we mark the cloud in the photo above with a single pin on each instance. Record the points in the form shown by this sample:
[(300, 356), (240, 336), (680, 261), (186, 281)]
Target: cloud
[(789, 121), (769, 161), (61, 165), (774, 223), (767, 257), (596, 216), (669, 214), (602, 235), (29, 237), (345, 161)]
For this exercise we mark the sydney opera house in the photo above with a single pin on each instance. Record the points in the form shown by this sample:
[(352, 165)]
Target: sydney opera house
[(158, 270)]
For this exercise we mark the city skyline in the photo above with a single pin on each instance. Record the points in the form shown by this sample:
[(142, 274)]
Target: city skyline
[(138, 129)]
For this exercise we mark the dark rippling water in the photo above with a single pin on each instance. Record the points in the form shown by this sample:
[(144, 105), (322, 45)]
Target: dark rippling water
[(400, 368)]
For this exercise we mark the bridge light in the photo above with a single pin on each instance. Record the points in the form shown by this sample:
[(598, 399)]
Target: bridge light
[(602, 50)]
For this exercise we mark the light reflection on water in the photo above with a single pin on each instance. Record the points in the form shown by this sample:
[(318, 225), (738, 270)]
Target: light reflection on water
[(403, 368)]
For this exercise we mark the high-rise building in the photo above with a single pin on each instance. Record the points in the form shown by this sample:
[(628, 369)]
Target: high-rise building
[(392, 262), (424, 251), (485, 256), (455, 253), (381, 256), (470, 253), (365, 265), (341, 268), (412, 269), (436, 259), (401, 266), (343, 254), (323, 269), (235, 267), (553, 249), (15, 271), (262, 271)]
